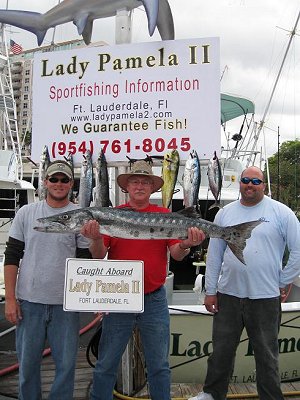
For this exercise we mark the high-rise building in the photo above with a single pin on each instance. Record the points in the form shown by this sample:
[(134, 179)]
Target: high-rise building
[(21, 66)]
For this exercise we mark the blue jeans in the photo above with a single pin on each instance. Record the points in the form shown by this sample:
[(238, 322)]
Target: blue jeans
[(61, 329), (261, 318), (153, 324)]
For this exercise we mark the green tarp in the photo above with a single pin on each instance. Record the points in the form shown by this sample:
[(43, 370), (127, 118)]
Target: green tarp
[(232, 107)]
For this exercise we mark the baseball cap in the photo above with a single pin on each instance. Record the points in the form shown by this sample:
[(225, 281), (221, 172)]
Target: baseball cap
[(59, 167)]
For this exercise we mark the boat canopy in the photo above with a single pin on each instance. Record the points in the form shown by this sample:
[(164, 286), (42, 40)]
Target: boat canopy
[(232, 107)]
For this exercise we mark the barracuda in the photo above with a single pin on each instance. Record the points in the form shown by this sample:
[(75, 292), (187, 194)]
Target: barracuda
[(129, 224)]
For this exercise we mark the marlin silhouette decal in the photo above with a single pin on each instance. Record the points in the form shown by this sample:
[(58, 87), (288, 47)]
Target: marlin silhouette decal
[(83, 13)]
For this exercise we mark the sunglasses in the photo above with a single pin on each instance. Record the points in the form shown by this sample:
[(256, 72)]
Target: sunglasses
[(254, 181), (53, 179)]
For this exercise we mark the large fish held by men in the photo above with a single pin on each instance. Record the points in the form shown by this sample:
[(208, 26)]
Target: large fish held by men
[(129, 224)]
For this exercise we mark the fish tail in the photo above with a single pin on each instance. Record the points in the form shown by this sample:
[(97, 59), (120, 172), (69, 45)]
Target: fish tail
[(216, 204), (237, 236), (28, 20)]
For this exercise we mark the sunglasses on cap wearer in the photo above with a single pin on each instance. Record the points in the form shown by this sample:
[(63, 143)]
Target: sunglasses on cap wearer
[(254, 181), (54, 179)]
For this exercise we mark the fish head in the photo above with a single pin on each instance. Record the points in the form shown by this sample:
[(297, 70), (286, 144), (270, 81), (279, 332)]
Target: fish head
[(171, 160), (66, 222)]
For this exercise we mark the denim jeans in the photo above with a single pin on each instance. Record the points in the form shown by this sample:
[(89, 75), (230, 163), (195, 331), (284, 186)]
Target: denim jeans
[(153, 324), (40, 322), (261, 318)]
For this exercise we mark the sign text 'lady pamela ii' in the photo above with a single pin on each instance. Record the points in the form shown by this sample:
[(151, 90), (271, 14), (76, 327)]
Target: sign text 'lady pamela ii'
[(196, 56)]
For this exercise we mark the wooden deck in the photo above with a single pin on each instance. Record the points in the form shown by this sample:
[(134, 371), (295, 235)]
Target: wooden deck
[(84, 375)]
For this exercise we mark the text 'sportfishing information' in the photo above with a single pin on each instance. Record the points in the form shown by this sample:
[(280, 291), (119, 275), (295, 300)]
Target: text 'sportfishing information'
[(104, 285), (129, 100)]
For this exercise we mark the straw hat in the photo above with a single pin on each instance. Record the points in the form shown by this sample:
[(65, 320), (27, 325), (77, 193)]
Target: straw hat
[(140, 168)]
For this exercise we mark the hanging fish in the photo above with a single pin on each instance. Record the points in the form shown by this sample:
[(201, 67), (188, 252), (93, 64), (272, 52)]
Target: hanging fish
[(169, 174), (86, 181), (43, 165), (214, 174), (191, 180), (102, 182), (70, 161)]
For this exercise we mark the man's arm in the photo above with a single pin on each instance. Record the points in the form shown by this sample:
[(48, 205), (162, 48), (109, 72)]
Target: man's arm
[(13, 254), (292, 268), (179, 250), (12, 307)]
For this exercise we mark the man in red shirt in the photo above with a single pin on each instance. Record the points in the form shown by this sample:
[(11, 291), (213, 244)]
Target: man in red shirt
[(154, 322)]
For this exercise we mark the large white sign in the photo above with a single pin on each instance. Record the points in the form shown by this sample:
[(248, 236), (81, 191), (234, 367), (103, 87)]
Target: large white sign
[(104, 285), (130, 100)]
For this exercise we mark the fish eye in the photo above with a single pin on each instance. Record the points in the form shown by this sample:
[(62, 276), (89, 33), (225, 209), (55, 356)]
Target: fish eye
[(65, 217)]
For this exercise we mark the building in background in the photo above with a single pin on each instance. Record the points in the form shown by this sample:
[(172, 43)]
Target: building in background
[(21, 66)]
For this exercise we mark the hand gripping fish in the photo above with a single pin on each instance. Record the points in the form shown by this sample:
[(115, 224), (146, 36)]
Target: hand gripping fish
[(84, 12), (129, 224)]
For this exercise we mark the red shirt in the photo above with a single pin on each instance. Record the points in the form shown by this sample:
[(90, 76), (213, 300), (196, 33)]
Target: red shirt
[(152, 252)]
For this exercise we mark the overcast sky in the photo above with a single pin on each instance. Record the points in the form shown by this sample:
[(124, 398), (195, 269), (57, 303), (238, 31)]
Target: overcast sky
[(253, 42)]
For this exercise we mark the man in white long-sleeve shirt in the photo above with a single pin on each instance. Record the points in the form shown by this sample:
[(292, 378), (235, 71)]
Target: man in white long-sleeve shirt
[(250, 296)]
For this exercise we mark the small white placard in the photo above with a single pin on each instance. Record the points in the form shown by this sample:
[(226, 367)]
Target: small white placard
[(104, 285)]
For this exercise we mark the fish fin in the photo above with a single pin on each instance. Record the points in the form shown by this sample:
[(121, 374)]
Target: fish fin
[(87, 34), (165, 23), (190, 212), (237, 251), (80, 22), (237, 236), (127, 209), (40, 35), (215, 205), (151, 8)]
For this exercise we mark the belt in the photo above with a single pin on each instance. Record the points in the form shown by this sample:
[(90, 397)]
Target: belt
[(154, 291)]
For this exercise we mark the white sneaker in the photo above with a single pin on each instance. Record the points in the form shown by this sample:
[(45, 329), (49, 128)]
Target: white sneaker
[(202, 396)]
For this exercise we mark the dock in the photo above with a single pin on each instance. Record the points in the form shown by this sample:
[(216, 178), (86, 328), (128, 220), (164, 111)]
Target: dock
[(84, 375)]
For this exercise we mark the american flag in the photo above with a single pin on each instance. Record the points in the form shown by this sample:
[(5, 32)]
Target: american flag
[(15, 48)]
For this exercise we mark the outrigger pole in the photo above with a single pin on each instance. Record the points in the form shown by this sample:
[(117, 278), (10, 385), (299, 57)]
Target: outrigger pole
[(262, 122)]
